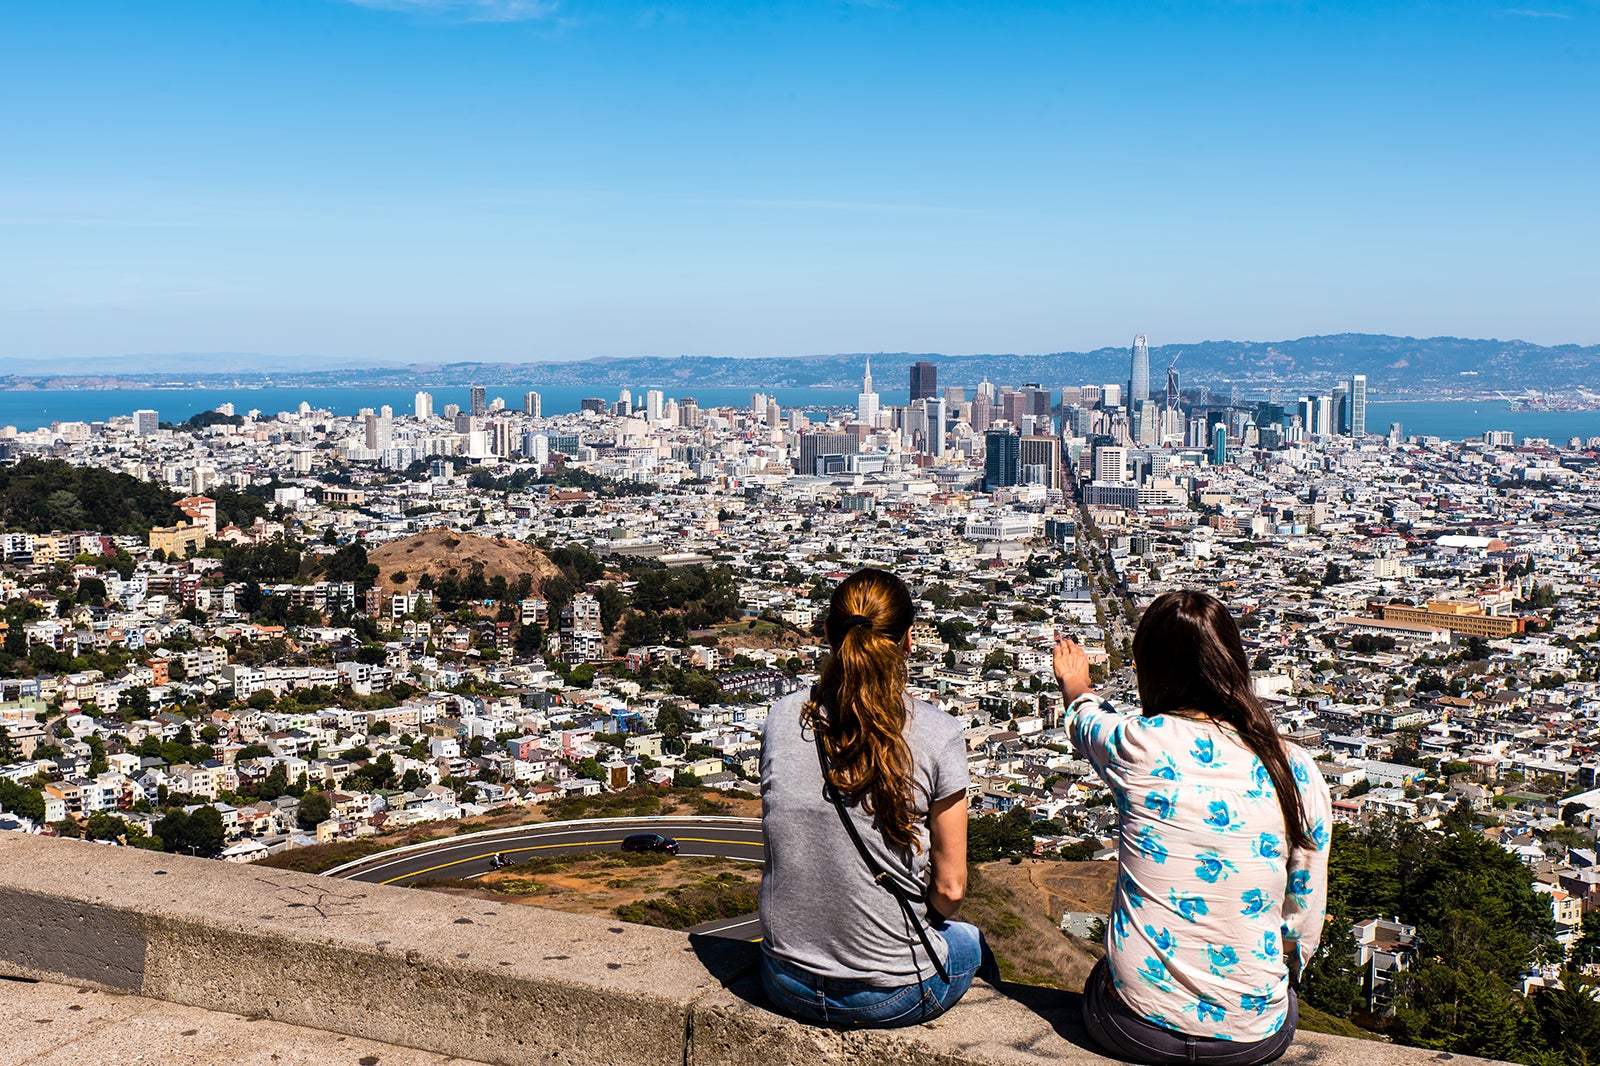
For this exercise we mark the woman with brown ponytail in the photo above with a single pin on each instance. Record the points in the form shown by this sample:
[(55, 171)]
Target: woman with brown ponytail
[(1222, 859), (864, 807)]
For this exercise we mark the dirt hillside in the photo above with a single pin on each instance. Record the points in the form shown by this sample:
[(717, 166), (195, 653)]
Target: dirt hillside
[(1019, 908), (441, 551)]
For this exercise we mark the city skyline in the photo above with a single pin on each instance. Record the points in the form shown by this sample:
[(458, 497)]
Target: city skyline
[(438, 179)]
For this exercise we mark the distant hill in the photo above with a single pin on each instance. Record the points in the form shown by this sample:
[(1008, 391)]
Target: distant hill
[(444, 552), (1395, 367)]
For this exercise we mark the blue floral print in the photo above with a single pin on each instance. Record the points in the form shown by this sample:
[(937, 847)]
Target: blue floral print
[(1204, 752), (1255, 902), (1162, 939), (1210, 895), (1268, 846), (1162, 803), (1189, 908), (1149, 842), (1220, 816), (1223, 958), (1213, 866)]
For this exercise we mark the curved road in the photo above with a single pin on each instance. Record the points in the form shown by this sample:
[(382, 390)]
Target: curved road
[(469, 856)]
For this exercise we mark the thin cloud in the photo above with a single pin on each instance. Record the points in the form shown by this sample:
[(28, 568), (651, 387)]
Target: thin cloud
[(1530, 13), (470, 10)]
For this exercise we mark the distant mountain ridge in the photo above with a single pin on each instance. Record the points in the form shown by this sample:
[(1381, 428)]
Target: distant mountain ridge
[(1398, 367)]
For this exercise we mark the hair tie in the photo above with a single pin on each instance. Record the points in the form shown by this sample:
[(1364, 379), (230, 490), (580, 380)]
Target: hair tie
[(852, 622)]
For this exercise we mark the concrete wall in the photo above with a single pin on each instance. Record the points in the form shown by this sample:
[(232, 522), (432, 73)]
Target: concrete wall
[(496, 982)]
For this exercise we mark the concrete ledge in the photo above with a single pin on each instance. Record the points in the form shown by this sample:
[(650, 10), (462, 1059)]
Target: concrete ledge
[(493, 982)]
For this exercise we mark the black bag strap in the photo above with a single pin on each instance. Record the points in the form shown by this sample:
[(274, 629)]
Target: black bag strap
[(880, 876)]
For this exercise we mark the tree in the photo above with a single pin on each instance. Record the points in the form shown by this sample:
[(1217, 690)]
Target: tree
[(1569, 1018), (135, 701), (671, 722), (21, 800), (1329, 981), (205, 836), (588, 767), (315, 808), (103, 825), (999, 836)]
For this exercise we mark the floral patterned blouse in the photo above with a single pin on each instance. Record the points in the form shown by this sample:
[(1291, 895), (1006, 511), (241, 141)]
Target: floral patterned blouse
[(1210, 903)]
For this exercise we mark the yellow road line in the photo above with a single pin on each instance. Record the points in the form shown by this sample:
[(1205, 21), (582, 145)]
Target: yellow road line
[(542, 847)]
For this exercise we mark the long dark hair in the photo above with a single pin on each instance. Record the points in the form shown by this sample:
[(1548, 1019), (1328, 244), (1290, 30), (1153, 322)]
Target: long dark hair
[(1190, 658), (859, 705)]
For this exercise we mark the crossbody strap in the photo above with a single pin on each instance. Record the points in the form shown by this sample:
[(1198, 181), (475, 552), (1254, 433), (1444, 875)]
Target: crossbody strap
[(880, 876)]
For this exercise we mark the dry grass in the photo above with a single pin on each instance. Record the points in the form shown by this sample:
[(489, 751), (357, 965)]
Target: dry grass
[(1018, 908), (443, 551), (599, 883)]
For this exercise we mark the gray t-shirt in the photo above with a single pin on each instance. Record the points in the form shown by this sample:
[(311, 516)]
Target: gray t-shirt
[(819, 906)]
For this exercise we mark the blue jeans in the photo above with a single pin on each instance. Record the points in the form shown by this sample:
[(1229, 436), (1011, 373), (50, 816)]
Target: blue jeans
[(844, 1003)]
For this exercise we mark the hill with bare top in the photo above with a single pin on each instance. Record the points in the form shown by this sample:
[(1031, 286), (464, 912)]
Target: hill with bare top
[(447, 552)]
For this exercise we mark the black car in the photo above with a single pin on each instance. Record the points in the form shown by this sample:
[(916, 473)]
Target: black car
[(650, 842)]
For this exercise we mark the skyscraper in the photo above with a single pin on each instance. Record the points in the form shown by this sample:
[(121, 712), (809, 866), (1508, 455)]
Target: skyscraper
[(1358, 405), (924, 380), (1002, 459), (146, 423), (867, 401), (532, 404), (933, 443), (424, 406), (1039, 461), (480, 401), (1139, 372), (1219, 444)]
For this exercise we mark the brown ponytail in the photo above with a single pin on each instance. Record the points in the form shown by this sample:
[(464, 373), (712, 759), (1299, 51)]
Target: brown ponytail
[(858, 707), (1190, 658)]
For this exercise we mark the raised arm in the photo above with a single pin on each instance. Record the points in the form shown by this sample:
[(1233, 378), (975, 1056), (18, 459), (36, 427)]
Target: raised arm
[(1094, 725)]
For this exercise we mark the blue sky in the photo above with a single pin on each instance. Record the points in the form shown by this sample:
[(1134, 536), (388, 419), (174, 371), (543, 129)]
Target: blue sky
[(518, 179)]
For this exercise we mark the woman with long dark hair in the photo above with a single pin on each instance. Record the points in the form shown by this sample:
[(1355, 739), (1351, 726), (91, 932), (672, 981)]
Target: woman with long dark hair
[(1222, 847), (864, 807)]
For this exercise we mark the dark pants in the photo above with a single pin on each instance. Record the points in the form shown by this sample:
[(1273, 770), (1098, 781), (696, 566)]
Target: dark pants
[(1125, 1034)]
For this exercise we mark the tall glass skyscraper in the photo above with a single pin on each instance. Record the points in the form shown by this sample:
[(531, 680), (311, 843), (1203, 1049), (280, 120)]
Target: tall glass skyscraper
[(1139, 373), (1358, 405), (1002, 459), (924, 380)]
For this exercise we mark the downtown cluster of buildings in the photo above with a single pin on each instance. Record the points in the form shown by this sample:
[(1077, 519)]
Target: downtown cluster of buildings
[(1420, 613)]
